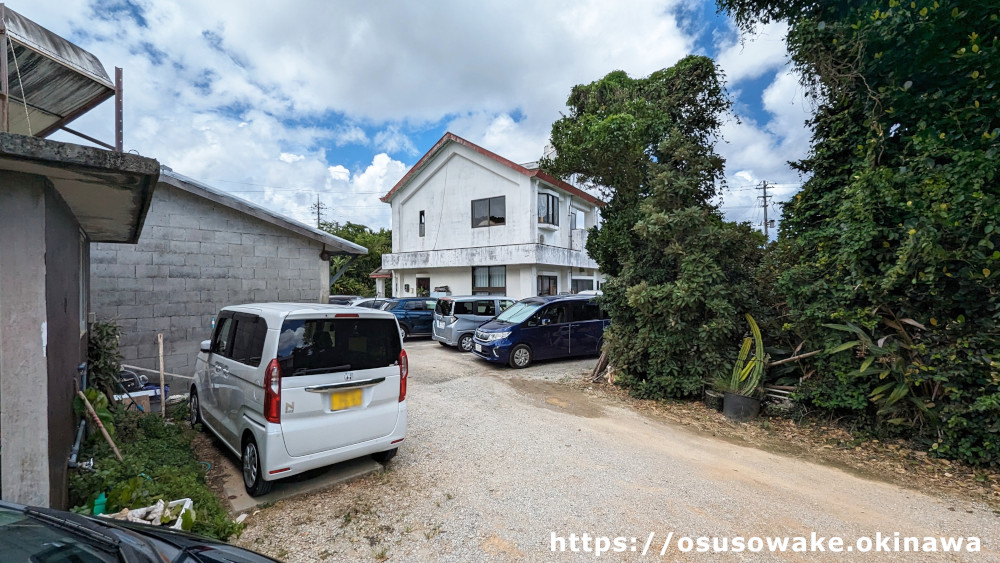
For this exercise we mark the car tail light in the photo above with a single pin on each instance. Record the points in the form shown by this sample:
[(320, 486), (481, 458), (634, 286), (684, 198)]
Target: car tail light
[(347, 315), (272, 392), (404, 370)]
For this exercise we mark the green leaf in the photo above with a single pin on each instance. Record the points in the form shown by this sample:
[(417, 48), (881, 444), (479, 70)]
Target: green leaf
[(842, 347)]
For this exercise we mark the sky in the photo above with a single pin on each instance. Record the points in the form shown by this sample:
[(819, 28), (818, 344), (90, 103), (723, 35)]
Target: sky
[(286, 104)]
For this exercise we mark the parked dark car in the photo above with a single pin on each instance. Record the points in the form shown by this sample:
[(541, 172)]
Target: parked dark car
[(44, 534), (414, 314), (541, 328)]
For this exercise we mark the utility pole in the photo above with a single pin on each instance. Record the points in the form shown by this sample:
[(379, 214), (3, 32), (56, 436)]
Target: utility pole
[(319, 207), (764, 198)]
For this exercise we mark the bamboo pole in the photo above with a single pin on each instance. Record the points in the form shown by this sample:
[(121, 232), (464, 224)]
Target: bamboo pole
[(793, 358), (97, 420), (163, 394)]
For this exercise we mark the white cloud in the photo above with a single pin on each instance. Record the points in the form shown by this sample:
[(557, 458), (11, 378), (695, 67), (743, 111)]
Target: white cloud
[(339, 173), (350, 135), (757, 152), (280, 116), (756, 55), (392, 141), (290, 158)]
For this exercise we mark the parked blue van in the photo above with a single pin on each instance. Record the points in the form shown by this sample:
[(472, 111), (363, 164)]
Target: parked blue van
[(542, 328)]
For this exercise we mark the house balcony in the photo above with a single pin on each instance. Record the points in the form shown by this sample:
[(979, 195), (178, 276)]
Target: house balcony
[(500, 255)]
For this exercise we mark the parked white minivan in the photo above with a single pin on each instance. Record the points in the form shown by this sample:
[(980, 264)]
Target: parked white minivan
[(289, 387)]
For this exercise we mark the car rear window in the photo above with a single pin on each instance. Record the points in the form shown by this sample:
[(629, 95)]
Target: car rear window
[(443, 307), (309, 346)]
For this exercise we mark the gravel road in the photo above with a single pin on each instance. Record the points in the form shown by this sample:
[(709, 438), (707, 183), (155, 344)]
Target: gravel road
[(497, 461)]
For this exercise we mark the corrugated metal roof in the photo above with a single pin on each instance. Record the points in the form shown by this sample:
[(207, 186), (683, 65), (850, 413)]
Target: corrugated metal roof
[(59, 80), (334, 244)]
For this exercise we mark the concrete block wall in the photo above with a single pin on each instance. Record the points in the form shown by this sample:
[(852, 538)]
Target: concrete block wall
[(194, 257)]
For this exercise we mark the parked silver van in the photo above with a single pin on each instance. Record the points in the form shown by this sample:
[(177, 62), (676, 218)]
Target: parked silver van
[(289, 387), (457, 318)]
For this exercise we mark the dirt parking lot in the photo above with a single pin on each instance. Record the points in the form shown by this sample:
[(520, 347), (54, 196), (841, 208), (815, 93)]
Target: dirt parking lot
[(503, 464)]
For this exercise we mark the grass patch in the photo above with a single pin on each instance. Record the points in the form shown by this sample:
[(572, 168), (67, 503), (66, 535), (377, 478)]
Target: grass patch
[(158, 464)]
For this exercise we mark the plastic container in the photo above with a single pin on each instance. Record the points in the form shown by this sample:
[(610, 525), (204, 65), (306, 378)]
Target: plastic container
[(100, 503)]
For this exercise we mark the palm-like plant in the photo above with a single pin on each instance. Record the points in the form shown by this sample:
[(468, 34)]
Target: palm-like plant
[(748, 372)]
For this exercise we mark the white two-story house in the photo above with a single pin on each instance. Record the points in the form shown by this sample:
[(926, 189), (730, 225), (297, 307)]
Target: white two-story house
[(468, 221)]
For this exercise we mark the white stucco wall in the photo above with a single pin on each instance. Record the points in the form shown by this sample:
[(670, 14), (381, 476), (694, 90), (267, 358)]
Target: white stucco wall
[(451, 247)]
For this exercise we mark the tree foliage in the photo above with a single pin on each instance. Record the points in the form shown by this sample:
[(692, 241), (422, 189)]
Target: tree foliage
[(356, 280), (901, 216), (680, 278)]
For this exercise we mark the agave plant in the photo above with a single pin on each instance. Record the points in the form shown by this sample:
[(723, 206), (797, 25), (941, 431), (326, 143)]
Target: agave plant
[(748, 372)]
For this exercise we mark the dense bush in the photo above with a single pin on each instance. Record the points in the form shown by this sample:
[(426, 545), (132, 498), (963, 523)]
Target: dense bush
[(897, 231), (680, 278)]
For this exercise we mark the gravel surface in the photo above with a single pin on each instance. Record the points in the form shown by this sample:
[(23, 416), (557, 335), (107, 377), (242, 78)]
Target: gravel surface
[(498, 460)]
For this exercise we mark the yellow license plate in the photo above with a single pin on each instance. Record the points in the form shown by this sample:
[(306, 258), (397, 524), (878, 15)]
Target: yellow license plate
[(345, 399)]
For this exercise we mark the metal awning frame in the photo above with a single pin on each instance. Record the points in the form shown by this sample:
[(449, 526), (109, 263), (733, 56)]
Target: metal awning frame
[(6, 42)]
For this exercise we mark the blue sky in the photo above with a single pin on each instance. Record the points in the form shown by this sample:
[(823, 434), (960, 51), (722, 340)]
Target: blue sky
[(336, 100)]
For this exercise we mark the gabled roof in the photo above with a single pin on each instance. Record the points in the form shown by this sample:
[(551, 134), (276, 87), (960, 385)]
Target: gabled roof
[(333, 244), (449, 138)]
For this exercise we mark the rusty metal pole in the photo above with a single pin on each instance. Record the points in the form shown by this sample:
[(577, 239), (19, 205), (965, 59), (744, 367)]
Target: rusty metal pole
[(119, 128), (4, 86)]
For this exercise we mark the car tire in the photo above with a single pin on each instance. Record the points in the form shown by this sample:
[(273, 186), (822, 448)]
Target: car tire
[(253, 477), (404, 332), (384, 457), (520, 356), (194, 417), (466, 343)]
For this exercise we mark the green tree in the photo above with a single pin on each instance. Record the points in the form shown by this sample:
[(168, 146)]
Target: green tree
[(680, 278), (897, 229), (355, 280)]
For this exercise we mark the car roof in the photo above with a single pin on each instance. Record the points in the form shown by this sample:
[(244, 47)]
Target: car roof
[(552, 298), (464, 297), (279, 311)]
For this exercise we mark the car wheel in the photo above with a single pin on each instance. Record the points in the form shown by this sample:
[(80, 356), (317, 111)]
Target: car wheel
[(520, 356), (194, 417), (465, 343), (404, 332), (384, 457), (253, 478)]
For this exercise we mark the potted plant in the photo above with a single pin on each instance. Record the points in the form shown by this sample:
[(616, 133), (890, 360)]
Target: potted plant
[(742, 389), (714, 392)]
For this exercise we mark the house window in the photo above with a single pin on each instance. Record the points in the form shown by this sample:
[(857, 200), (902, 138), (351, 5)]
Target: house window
[(577, 219), (489, 280), (548, 209), (423, 223), (548, 285), (489, 212), (578, 284)]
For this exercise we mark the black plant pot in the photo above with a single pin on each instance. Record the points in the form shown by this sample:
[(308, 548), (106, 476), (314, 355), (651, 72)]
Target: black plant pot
[(713, 399), (740, 408)]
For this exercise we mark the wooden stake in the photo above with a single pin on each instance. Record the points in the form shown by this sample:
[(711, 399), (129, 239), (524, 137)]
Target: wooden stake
[(793, 358), (163, 394), (97, 420), (602, 364)]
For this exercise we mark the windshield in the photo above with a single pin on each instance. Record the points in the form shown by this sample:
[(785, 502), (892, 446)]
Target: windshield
[(520, 311), (27, 539), (309, 346)]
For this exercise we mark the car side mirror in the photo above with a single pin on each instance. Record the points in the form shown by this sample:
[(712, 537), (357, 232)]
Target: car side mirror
[(206, 346)]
